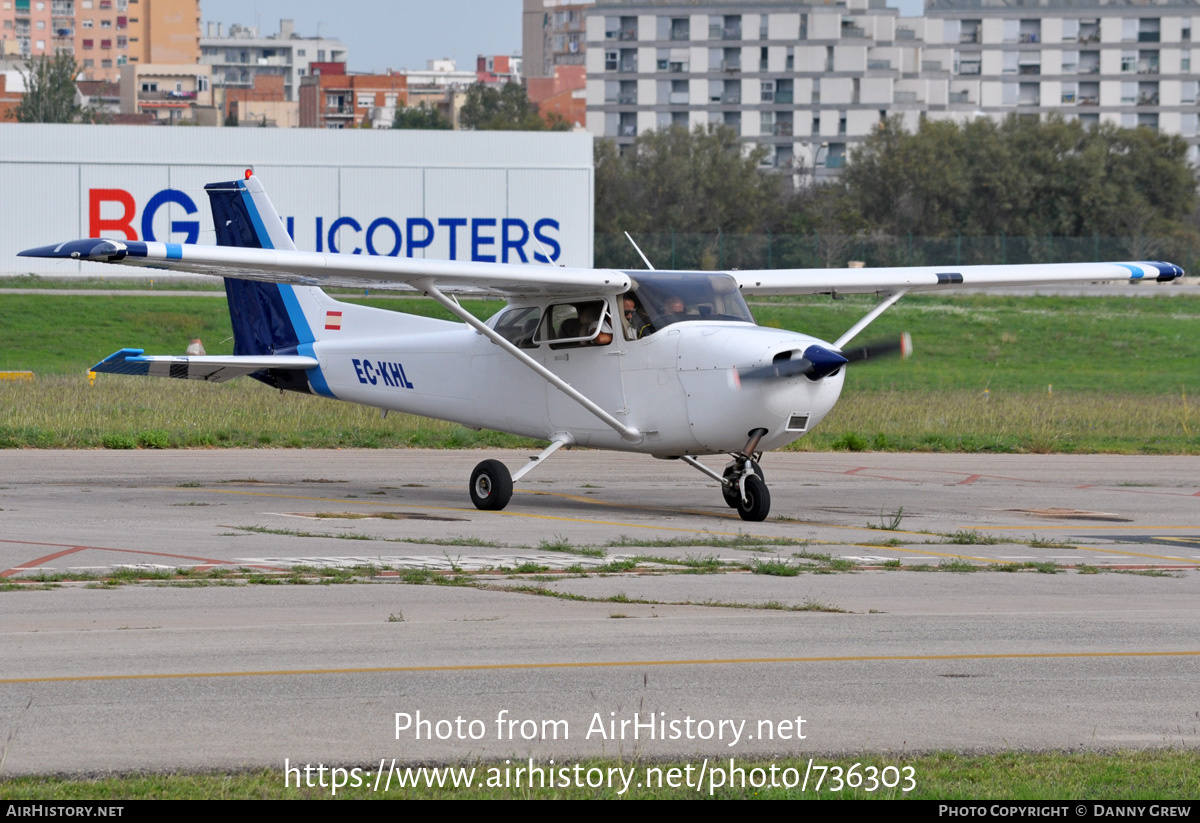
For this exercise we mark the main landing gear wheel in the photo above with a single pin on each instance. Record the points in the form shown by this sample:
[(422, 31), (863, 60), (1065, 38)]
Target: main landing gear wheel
[(757, 504), (491, 486), (731, 494)]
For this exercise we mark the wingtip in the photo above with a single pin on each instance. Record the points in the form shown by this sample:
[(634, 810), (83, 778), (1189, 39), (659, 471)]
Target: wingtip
[(90, 248)]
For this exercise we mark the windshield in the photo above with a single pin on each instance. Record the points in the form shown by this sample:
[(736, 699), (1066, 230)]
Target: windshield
[(660, 299)]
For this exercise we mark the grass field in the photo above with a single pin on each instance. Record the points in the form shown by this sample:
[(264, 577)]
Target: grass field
[(1157, 775), (990, 373)]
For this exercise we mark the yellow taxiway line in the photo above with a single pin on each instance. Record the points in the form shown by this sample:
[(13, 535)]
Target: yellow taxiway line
[(603, 665)]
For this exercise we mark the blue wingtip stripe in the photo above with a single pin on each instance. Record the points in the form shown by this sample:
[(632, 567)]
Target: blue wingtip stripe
[(126, 361)]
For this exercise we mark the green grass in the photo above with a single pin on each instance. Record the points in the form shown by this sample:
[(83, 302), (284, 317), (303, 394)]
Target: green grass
[(775, 568), (1124, 776), (1111, 393), (741, 541), (825, 562), (970, 537), (562, 544), (65, 334), (1041, 567), (123, 281), (694, 564), (1009, 343), (1049, 543), (888, 522), (119, 413), (957, 566)]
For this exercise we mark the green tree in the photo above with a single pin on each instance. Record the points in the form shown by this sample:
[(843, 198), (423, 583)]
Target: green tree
[(1017, 177), (419, 117), (505, 109), (700, 181), (50, 92)]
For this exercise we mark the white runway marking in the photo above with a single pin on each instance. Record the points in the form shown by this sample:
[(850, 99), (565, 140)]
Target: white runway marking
[(438, 562)]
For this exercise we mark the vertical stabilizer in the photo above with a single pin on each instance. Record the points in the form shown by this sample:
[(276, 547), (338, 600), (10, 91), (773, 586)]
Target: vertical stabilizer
[(267, 318)]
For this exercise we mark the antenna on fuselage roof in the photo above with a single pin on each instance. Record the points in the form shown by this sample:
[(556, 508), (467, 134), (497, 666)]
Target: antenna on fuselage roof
[(645, 260)]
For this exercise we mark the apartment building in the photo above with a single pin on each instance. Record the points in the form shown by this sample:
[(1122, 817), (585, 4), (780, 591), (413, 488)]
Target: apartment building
[(553, 34), (33, 28), (1125, 62), (804, 81), (562, 95), (241, 54), (103, 34), (171, 93), (810, 81), (332, 99), (440, 85)]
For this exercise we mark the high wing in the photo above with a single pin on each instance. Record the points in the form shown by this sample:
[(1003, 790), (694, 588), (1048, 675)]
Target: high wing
[(358, 271), (303, 268), (927, 278)]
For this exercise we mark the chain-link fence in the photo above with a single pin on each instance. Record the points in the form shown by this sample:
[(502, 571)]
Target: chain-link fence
[(710, 252)]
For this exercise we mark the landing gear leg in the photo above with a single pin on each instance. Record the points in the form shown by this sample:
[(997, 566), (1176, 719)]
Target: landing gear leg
[(742, 484), (491, 484)]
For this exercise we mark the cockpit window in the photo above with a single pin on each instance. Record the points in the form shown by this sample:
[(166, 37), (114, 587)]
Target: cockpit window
[(661, 299), (568, 325), (517, 326)]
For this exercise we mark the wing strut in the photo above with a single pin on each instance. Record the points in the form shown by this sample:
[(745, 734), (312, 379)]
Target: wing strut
[(628, 433), (868, 319)]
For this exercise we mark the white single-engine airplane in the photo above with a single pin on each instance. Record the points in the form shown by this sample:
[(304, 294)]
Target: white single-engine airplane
[(666, 363)]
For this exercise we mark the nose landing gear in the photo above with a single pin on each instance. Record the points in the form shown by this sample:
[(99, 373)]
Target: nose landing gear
[(745, 489), (742, 485)]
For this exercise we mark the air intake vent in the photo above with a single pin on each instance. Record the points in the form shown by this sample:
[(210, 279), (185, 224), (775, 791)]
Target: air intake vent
[(797, 423)]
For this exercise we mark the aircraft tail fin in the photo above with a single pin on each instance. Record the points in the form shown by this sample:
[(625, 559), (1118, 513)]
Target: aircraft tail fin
[(245, 217), (267, 318)]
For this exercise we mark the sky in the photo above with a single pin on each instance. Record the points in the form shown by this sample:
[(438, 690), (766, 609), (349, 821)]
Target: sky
[(402, 34)]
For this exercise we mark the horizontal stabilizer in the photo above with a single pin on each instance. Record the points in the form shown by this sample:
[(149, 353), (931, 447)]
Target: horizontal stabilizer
[(214, 369)]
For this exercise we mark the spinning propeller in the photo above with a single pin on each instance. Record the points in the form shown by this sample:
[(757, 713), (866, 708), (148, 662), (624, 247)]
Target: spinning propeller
[(819, 361)]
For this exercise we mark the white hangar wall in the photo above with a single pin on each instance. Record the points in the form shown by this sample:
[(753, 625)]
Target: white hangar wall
[(502, 196)]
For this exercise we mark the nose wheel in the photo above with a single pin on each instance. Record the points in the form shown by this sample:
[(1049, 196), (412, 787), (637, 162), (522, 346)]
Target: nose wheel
[(755, 503), (731, 490), (744, 489), (742, 485)]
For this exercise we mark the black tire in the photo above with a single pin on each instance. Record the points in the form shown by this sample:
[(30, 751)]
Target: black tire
[(731, 494), (758, 501), (491, 486)]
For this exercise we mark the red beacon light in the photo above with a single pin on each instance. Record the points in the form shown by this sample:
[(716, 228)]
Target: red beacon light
[(248, 173)]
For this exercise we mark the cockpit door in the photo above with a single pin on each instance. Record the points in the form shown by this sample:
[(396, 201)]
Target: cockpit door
[(570, 341)]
